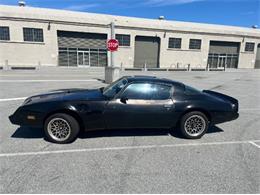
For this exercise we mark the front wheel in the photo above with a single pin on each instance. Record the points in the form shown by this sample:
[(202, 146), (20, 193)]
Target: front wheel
[(194, 125), (61, 128)]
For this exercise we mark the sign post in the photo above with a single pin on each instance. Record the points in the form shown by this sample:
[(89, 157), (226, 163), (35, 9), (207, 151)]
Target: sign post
[(112, 72), (112, 37)]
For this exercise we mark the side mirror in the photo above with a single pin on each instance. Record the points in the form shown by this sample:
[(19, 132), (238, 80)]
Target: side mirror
[(123, 100)]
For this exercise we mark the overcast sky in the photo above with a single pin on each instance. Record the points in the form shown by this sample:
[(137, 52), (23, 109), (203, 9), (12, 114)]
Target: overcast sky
[(228, 12)]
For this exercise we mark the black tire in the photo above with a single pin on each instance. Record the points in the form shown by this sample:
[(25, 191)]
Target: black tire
[(68, 123), (202, 122)]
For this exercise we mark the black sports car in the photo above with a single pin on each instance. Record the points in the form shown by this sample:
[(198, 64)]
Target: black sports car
[(130, 102)]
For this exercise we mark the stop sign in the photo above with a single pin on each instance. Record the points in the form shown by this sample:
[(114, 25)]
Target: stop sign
[(112, 45)]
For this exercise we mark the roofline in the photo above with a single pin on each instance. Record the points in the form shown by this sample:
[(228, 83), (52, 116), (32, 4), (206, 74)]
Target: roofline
[(164, 26), (153, 79), (128, 27), (121, 16)]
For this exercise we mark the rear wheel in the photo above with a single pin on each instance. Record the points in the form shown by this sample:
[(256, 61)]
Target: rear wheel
[(194, 125), (61, 128)]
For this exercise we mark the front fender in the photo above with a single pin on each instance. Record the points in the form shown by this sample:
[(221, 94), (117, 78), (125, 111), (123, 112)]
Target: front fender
[(35, 114)]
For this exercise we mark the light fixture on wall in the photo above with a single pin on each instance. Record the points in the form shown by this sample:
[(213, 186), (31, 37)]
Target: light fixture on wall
[(161, 18), (21, 3), (49, 25)]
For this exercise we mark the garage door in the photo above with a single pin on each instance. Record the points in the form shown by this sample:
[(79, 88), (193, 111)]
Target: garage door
[(147, 50), (257, 60), (82, 49), (223, 54)]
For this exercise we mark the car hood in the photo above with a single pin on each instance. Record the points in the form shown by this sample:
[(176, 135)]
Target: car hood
[(66, 95)]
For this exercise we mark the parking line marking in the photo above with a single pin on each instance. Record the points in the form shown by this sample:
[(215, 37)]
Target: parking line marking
[(12, 99), (253, 143), (249, 109), (52, 80), (122, 148)]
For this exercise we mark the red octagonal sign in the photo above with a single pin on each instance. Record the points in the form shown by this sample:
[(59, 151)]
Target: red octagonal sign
[(112, 45)]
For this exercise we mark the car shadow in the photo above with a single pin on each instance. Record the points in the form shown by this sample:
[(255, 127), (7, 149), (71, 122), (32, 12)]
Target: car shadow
[(37, 133), (28, 133), (100, 80), (123, 133)]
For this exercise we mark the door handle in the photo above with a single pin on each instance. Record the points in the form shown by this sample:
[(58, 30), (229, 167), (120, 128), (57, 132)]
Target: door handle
[(167, 106)]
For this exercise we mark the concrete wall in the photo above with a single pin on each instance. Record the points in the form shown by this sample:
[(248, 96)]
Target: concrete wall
[(19, 53)]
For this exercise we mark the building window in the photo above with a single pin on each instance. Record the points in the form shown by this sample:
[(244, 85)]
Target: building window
[(195, 44), (4, 33), (174, 43), (33, 34), (250, 47), (124, 40)]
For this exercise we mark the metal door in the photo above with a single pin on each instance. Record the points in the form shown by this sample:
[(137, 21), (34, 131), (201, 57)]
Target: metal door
[(139, 114), (83, 59), (82, 49), (147, 51), (141, 105), (222, 61), (257, 60), (223, 54)]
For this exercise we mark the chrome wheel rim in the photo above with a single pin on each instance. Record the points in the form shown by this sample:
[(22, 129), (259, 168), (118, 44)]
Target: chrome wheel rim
[(195, 125), (59, 129)]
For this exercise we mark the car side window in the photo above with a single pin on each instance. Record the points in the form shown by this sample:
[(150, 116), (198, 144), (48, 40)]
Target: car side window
[(162, 92), (147, 91)]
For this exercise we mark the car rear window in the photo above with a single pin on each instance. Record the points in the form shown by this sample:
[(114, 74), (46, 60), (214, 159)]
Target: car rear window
[(191, 91)]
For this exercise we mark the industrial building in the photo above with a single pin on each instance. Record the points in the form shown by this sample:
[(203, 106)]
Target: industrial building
[(48, 37)]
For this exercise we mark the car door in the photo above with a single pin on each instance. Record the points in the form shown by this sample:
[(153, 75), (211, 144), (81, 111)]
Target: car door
[(141, 105)]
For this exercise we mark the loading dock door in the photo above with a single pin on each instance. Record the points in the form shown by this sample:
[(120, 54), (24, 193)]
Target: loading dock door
[(147, 50), (82, 49), (257, 60), (223, 54)]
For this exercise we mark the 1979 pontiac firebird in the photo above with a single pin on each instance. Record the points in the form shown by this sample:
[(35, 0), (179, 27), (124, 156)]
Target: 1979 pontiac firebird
[(130, 102)]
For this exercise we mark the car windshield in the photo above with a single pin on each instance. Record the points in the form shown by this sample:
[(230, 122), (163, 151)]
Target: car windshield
[(112, 89)]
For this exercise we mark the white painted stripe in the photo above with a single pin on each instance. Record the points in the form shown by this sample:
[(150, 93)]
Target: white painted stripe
[(249, 109), (253, 143), (122, 148), (45, 80), (12, 99)]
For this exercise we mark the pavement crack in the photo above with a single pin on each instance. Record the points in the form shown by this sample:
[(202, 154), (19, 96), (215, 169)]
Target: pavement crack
[(54, 178)]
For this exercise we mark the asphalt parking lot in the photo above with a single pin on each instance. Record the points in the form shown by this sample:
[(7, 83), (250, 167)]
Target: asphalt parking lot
[(225, 160)]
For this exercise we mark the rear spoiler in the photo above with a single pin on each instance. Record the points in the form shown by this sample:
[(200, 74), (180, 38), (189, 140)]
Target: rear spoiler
[(222, 96)]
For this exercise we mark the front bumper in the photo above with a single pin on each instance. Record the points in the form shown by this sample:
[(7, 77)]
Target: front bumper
[(13, 120), (21, 118), (234, 116)]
